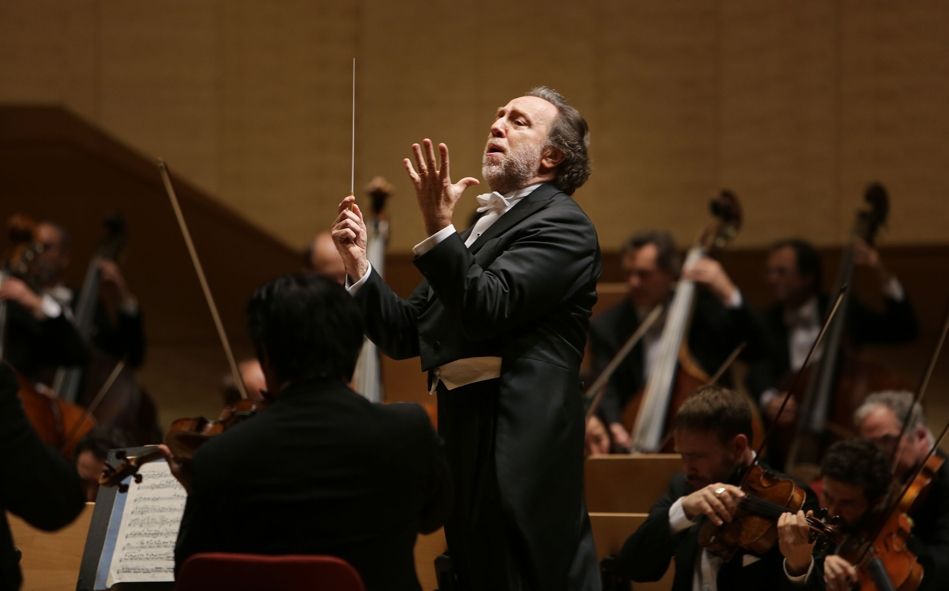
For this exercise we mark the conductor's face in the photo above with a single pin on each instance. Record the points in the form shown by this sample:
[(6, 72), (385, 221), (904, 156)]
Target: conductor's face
[(516, 153)]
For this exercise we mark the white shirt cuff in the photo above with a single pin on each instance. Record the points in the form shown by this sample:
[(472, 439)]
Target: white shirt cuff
[(352, 288), (735, 301), (51, 308), (894, 290), (678, 521), (433, 240), (798, 579)]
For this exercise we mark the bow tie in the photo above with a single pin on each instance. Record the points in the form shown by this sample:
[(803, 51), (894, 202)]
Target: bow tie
[(492, 202)]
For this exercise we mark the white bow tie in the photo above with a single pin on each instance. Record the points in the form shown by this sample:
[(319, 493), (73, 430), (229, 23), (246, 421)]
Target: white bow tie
[(495, 202)]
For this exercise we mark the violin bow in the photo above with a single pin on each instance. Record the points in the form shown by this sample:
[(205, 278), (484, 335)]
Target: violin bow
[(598, 387), (796, 382), (196, 262), (921, 390)]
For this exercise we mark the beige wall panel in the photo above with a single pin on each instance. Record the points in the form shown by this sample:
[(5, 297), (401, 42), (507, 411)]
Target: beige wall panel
[(417, 81), (655, 148), (778, 117), (431, 72), (50, 53), (794, 105), (894, 116), (158, 85), (285, 111)]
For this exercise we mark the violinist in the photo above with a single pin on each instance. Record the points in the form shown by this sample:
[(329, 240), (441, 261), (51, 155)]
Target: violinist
[(320, 470), (793, 274), (880, 420), (855, 478), (721, 321), (712, 430), (37, 484)]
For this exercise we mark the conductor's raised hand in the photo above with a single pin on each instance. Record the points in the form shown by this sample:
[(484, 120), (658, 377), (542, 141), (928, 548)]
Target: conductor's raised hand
[(437, 195), (349, 236)]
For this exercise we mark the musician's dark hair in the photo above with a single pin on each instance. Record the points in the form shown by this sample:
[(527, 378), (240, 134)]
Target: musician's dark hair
[(858, 462), (667, 253), (806, 257), (718, 410), (570, 135), (307, 326)]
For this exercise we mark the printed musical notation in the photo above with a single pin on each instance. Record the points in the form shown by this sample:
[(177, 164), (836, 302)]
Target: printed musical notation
[(145, 546)]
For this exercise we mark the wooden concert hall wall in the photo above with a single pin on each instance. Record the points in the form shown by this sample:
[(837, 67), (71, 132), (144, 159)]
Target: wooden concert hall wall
[(793, 105)]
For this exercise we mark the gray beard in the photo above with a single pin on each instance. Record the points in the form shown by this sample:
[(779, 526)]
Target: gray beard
[(513, 172)]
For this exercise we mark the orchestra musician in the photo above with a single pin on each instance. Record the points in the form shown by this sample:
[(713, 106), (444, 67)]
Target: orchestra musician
[(37, 484), (40, 333), (880, 420), (720, 322), (792, 322), (320, 470), (500, 324), (855, 479), (712, 430), (321, 257)]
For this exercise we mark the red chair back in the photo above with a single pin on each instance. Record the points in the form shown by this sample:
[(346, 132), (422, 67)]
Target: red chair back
[(255, 572)]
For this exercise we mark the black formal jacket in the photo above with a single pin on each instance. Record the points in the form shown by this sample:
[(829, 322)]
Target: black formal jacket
[(34, 345), (895, 324), (36, 483), (524, 292), (714, 333), (646, 554), (321, 470)]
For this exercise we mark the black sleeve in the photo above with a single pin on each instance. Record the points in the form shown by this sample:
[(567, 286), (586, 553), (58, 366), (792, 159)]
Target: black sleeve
[(645, 556), (37, 484), (896, 323), (611, 403), (125, 339), (391, 322)]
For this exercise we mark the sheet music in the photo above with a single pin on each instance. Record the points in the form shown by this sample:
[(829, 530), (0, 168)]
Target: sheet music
[(144, 550)]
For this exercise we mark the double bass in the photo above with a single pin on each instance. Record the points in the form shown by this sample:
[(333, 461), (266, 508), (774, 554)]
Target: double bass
[(839, 380), (123, 404), (676, 374)]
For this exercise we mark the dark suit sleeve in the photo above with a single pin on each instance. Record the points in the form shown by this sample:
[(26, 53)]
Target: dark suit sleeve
[(37, 484), (611, 403), (552, 256), (895, 324), (125, 339), (646, 554), (391, 322)]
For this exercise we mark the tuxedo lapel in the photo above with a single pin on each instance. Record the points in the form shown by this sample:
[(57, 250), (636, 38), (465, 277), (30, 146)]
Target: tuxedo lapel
[(524, 208)]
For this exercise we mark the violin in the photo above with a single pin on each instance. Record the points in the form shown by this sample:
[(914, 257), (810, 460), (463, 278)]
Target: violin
[(58, 423), (753, 529), (184, 438), (884, 562)]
